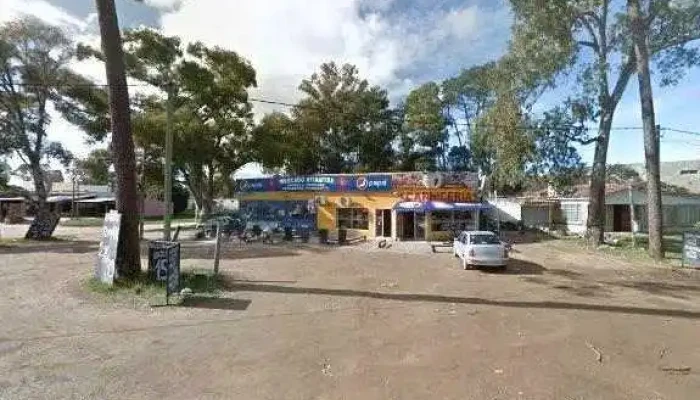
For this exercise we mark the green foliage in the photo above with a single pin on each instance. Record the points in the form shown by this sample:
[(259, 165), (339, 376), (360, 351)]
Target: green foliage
[(35, 74), (212, 118), (94, 169), (426, 127), (341, 125), (555, 158)]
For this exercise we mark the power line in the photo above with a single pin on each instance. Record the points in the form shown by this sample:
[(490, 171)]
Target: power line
[(681, 131), (302, 106)]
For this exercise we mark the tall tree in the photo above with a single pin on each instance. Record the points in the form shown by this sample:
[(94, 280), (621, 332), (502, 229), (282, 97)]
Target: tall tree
[(34, 75), (637, 24), (211, 109), (343, 124), (426, 124), (590, 38), (128, 262)]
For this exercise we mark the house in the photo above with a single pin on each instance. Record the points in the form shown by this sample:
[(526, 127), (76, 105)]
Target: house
[(547, 210)]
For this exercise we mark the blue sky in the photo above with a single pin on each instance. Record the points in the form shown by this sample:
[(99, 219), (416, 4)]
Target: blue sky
[(398, 44)]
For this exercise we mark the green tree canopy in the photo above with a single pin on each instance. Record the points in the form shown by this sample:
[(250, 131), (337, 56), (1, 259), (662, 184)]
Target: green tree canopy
[(34, 75)]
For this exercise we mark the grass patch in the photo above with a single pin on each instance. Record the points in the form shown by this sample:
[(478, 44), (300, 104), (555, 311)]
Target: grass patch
[(80, 222), (143, 292), (187, 215), (624, 248)]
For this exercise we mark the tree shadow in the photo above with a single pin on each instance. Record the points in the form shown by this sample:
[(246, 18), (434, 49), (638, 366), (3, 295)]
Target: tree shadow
[(431, 298), (516, 267), (50, 246), (215, 303), (674, 290)]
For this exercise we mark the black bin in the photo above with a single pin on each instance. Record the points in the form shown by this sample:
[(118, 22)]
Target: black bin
[(342, 236)]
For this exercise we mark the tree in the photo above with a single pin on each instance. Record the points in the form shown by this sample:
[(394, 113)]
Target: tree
[(590, 38), (342, 125), (34, 75), (211, 109), (128, 261), (426, 125), (95, 167), (555, 158)]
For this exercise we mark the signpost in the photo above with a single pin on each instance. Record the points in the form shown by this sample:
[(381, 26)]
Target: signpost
[(164, 265), (691, 249), (104, 266)]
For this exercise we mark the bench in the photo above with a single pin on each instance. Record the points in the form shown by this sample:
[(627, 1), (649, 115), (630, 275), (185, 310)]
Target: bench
[(435, 246)]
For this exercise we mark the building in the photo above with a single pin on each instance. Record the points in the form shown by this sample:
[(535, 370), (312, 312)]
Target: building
[(685, 174), (681, 211), (401, 206)]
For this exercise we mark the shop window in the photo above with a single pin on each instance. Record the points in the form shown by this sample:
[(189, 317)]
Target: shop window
[(441, 221), (464, 221), (352, 218)]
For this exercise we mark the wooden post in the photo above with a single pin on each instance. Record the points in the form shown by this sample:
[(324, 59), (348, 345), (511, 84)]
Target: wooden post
[(217, 248)]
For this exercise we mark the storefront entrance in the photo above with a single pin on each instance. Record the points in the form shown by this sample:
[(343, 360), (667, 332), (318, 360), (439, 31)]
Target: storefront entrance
[(411, 225), (383, 223)]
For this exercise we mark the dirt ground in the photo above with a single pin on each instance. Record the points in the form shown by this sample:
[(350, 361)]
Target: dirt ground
[(309, 323)]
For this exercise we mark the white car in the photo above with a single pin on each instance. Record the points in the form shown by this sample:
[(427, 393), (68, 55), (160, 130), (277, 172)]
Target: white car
[(480, 248)]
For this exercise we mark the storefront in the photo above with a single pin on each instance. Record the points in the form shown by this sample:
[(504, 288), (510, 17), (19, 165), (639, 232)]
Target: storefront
[(402, 206)]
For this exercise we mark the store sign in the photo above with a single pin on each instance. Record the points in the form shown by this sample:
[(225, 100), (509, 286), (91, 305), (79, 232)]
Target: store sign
[(313, 183), (318, 183)]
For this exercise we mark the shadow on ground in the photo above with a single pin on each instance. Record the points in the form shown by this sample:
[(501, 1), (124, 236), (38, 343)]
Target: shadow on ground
[(50, 246), (215, 303), (432, 298), (235, 251), (516, 267)]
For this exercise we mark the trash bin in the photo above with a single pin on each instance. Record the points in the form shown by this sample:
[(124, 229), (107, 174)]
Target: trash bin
[(161, 254), (323, 236), (342, 236), (288, 236), (305, 234)]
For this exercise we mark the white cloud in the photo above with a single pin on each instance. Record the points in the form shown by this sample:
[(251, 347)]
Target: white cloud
[(165, 5), (287, 40)]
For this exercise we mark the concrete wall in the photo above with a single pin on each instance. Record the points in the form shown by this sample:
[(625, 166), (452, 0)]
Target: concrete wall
[(507, 209)]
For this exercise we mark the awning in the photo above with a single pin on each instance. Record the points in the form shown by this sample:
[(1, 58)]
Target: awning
[(97, 200), (416, 206)]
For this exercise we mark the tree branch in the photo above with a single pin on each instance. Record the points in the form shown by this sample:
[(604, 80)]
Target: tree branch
[(622, 80)]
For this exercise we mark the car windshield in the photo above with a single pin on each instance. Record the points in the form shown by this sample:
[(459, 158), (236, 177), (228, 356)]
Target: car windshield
[(484, 239)]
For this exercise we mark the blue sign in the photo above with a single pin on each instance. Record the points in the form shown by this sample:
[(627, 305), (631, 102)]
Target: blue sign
[(314, 183), (318, 183)]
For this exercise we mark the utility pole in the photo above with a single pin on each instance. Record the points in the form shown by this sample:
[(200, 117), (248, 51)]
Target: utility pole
[(168, 163)]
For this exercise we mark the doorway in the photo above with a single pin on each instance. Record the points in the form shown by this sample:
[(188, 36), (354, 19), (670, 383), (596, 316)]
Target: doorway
[(622, 221), (383, 223), (411, 225)]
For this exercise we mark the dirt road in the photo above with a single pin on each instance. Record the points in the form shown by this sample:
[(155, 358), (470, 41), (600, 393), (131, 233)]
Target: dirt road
[(349, 324)]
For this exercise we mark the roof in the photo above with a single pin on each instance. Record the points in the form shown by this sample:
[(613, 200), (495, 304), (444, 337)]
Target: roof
[(684, 173), (97, 200)]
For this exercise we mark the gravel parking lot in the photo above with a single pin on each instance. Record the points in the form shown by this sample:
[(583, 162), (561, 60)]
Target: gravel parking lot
[(303, 322)]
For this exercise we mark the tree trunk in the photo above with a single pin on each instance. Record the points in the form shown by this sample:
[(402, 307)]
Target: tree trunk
[(128, 262), (596, 201), (42, 208), (651, 136)]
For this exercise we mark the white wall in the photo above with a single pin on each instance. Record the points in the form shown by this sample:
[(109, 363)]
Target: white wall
[(507, 209)]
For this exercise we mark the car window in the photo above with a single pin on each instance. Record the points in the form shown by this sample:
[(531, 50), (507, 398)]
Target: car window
[(484, 239)]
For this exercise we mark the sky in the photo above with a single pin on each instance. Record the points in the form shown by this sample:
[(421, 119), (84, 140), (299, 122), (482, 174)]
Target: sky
[(397, 44)]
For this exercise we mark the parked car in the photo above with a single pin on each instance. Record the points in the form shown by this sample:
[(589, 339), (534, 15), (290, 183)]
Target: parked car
[(480, 248), (230, 224)]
